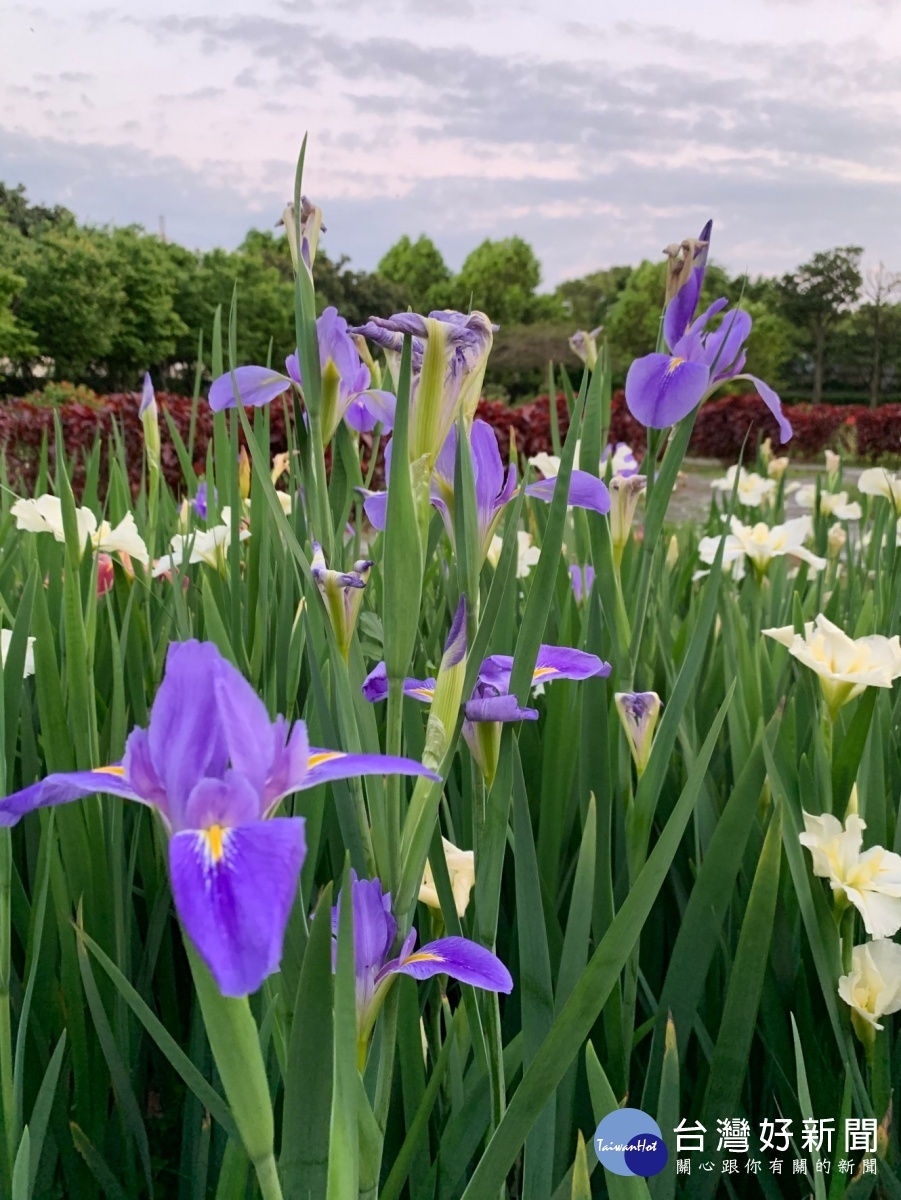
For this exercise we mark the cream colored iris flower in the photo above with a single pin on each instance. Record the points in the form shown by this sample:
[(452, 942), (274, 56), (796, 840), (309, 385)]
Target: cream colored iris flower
[(208, 546), (872, 988), (832, 504), (877, 481), (527, 555), (761, 543), (462, 871), (846, 666), (868, 879), (45, 515), (753, 489)]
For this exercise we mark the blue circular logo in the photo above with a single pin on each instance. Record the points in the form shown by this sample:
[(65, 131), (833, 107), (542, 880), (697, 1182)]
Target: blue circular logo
[(629, 1142)]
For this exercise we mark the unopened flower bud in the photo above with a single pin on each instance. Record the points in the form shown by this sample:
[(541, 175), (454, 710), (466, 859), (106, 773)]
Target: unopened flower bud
[(638, 712)]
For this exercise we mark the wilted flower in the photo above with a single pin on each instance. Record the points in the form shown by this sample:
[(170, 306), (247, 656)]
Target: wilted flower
[(215, 767), (375, 931), (450, 352), (753, 489), (877, 481), (585, 346), (870, 880), (846, 666), (625, 491), (280, 465), (832, 504), (461, 868), (638, 712), (872, 988), (6, 636), (342, 593), (766, 451), (310, 228), (776, 467), (661, 389), (45, 515), (762, 543)]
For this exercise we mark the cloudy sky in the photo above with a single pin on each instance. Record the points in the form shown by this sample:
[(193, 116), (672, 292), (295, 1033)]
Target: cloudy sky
[(597, 129)]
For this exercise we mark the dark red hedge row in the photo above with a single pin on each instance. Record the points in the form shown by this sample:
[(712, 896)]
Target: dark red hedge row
[(720, 430)]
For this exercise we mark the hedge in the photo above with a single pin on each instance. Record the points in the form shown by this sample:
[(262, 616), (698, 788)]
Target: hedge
[(720, 430)]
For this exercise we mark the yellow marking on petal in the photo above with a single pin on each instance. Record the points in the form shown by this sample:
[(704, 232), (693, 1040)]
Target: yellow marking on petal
[(540, 672), (316, 760), (120, 771), (676, 362), (215, 839), (423, 956), (426, 693)]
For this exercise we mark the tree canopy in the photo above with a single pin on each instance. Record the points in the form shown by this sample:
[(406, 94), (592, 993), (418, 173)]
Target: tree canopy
[(102, 305)]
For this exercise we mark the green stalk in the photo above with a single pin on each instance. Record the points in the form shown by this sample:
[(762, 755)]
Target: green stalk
[(234, 1040), (394, 745), (7, 1093)]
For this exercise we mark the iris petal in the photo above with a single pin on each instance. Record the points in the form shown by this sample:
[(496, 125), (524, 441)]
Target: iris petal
[(661, 390), (233, 890), (64, 787), (458, 957), (326, 765), (256, 386)]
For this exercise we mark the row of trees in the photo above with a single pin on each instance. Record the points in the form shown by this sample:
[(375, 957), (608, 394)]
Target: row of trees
[(101, 305)]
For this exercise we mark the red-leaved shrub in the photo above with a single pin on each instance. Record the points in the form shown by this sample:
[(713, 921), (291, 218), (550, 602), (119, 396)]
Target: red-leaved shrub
[(720, 431)]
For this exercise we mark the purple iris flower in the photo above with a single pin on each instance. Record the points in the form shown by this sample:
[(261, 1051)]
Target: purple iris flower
[(582, 580), (491, 704), (661, 389), (200, 501), (375, 931), (346, 382), (494, 489), (215, 767)]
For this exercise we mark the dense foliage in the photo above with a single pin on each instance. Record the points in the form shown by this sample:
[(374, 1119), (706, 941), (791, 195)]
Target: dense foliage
[(104, 305)]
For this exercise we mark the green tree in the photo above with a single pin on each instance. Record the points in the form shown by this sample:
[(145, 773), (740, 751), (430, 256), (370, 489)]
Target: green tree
[(419, 271), (16, 210), (500, 278), (148, 328), (632, 323), (357, 295), (72, 298), (814, 297), (16, 339), (586, 301)]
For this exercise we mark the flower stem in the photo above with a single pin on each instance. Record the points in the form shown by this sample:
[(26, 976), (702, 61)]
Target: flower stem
[(267, 1177), (7, 1097)]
